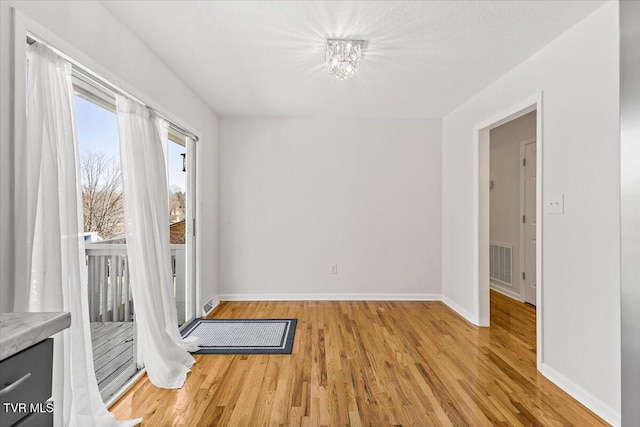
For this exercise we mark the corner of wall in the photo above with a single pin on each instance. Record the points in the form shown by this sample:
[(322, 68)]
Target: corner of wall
[(461, 311)]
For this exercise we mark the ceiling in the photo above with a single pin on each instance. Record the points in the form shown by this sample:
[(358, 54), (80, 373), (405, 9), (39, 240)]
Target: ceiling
[(422, 59)]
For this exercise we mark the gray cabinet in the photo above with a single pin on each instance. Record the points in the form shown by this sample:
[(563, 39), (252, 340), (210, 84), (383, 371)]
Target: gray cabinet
[(25, 386)]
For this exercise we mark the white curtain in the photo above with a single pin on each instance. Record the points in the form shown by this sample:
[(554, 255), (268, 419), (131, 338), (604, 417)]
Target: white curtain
[(49, 246), (162, 350)]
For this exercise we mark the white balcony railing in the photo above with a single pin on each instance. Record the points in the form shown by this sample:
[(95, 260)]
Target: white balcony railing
[(109, 290)]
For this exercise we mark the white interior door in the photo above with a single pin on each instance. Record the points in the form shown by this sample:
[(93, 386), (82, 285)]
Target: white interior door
[(529, 223)]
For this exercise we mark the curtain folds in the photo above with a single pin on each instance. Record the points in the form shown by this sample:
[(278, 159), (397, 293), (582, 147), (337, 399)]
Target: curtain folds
[(161, 349), (49, 245)]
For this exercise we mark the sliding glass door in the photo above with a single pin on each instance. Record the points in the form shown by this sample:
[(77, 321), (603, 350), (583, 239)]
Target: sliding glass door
[(111, 310), (111, 307)]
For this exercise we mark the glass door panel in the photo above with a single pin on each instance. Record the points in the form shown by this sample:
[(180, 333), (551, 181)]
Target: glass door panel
[(111, 310), (181, 202)]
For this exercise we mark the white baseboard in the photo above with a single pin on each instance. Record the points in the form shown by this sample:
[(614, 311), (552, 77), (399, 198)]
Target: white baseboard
[(602, 410), (330, 297), (505, 291), (216, 302), (461, 311)]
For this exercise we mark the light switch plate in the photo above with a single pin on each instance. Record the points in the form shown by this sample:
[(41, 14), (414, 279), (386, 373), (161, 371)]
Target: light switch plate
[(554, 205)]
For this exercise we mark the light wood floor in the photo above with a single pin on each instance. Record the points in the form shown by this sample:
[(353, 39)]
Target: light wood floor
[(370, 364)]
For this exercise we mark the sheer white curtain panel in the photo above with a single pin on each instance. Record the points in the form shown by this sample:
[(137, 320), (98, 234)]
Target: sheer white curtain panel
[(143, 137), (50, 266)]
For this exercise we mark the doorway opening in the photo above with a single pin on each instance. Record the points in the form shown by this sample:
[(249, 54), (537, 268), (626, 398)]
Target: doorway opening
[(512, 228), (512, 217), (508, 200)]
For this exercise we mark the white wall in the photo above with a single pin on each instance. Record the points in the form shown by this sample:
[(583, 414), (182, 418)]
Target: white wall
[(504, 218), (96, 34), (299, 194), (578, 73)]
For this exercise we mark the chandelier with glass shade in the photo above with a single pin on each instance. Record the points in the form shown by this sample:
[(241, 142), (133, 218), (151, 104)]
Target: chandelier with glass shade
[(343, 57)]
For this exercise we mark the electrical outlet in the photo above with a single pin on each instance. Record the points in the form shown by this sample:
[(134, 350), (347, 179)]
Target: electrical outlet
[(333, 268), (554, 204)]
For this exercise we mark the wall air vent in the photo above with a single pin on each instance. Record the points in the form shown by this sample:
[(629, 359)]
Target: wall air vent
[(500, 267), (207, 307)]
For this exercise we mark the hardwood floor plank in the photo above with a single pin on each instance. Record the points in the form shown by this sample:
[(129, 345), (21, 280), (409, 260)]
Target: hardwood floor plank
[(370, 363)]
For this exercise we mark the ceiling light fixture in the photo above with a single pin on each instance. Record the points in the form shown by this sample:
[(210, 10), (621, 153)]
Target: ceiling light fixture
[(342, 57)]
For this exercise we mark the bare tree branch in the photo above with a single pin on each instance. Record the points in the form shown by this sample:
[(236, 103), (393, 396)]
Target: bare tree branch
[(102, 200), (177, 205)]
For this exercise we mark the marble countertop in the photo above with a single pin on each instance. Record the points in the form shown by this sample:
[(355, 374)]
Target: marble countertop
[(22, 330)]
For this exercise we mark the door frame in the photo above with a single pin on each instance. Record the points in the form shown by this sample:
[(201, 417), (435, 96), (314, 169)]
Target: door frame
[(523, 143), (481, 204), (191, 242)]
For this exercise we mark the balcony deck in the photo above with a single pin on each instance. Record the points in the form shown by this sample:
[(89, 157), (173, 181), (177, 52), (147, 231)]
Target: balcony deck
[(111, 311), (113, 353)]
